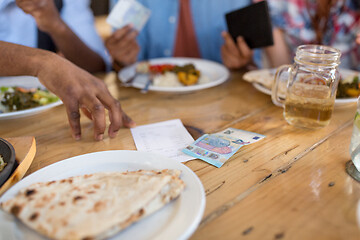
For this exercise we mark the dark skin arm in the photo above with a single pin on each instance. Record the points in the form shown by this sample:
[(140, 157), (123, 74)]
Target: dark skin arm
[(69, 44), (74, 86)]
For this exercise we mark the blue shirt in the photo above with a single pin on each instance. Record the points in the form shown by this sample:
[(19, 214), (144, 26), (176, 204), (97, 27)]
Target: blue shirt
[(157, 39), (19, 27)]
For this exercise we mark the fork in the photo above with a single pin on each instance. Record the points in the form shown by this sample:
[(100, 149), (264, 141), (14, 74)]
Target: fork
[(148, 83)]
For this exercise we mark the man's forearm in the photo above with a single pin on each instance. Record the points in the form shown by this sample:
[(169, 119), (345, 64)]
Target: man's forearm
[(49, 20), (75, 50), (20, 60)]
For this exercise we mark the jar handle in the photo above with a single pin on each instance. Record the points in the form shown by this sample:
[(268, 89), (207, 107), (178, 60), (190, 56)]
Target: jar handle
[(274, 93)]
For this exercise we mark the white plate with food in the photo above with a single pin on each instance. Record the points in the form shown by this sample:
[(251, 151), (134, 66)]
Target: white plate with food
[(168, 74), (178, 219), (35, 98), (348, 88)]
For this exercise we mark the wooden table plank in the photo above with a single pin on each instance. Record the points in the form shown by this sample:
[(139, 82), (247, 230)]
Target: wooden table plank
[(314, 199), (252, 164)]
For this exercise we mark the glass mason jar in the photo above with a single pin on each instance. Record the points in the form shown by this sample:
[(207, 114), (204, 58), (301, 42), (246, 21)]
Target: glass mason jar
[(308, 94)]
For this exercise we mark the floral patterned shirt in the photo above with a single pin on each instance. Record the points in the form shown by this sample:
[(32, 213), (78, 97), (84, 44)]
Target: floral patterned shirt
[(294, 18)]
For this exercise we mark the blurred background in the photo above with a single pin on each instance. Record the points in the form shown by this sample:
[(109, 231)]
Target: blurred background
[(101, 10), (100, 7)]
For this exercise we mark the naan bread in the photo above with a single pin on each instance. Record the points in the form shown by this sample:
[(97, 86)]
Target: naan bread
[(94, 206), (262, 76), (265, 77)]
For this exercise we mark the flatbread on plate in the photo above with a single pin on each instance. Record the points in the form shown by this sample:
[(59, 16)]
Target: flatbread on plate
[(93, 206), (263, 76)]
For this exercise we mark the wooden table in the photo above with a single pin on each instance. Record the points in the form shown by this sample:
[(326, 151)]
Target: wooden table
[(290, 185)]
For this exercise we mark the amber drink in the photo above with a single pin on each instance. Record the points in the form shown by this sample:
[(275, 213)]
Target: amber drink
[(310, 88), (309, 106)]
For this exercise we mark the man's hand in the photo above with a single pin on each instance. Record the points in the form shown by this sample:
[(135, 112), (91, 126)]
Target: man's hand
[(122, 46), (235, 55), (358, 38), (44, 12), (80, 90), (77, 88)]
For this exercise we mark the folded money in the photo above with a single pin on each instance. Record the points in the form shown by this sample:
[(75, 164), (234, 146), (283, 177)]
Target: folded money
[(128, 12), (217, 148)]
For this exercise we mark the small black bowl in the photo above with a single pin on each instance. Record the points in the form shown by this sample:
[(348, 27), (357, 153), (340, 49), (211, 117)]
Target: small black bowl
[(8, 154)]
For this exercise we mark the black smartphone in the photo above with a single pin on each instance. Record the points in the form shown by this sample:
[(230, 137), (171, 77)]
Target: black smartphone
[(253, 23)]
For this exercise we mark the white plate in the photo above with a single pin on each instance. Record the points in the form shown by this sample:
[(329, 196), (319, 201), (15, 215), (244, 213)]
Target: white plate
[(177, 220), (26, 82), (216, 72), (260, 87)]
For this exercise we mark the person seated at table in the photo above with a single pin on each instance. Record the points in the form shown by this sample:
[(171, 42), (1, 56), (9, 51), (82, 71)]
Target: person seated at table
[(73, 85), (326, 22), (182, 28), (64, 26)]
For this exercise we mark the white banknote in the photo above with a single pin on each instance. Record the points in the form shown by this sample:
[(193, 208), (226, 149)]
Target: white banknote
[(128, 12)]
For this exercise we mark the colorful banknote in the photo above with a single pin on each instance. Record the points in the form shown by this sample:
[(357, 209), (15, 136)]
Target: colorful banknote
[(128, 12), (218, 147)]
